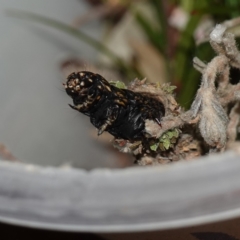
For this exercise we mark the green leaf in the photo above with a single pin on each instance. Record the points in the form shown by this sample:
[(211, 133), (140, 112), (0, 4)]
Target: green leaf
[(169, 134), (118, 84), (162, 148), (163, 138), (166, 145), (168, 88), (184, 72), (175, 133), (154, 147)]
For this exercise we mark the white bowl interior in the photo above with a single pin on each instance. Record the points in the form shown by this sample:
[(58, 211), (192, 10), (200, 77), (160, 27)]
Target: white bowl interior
[(36, 123)]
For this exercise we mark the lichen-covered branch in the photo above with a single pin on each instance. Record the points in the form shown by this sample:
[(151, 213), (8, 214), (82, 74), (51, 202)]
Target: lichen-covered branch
[(211, 122)]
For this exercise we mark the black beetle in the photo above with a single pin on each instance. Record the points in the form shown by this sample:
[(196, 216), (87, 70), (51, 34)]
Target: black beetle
[(121, 112)]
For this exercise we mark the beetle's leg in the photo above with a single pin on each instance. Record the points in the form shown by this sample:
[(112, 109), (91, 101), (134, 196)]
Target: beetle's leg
[(104, 126), (78, 107), (112, 116)]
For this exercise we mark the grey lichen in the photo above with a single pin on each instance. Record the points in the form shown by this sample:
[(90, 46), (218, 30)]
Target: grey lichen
[(210, 125)]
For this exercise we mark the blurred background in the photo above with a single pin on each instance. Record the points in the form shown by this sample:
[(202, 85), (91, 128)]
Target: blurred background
[(41, 42), (44, 41)]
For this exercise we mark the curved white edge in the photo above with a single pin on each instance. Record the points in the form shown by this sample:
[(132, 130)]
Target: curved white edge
[(126, 228), (202, 191)]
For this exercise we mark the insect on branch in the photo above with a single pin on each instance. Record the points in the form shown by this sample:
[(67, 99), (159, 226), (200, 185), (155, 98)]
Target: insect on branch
[(146, 120)]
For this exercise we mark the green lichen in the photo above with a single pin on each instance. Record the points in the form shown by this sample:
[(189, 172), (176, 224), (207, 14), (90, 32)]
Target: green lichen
[(166, 141), (118, 84), (168, 88)]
